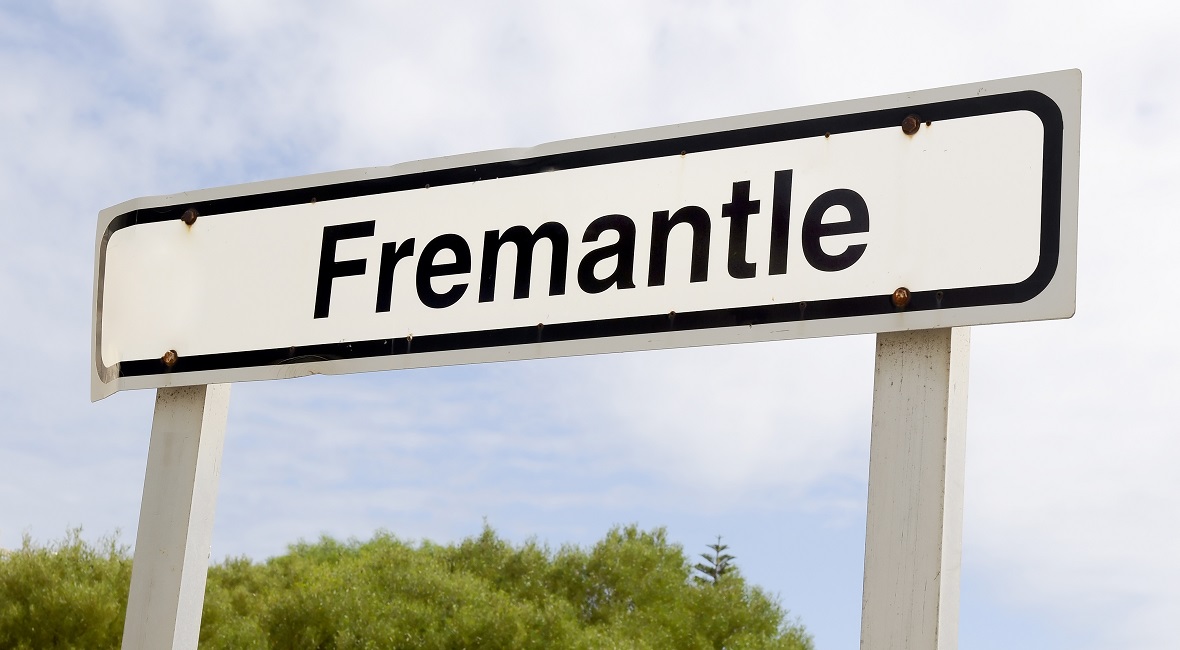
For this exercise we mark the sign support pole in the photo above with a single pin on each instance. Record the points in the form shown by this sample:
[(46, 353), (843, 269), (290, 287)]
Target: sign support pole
[(176, 518), (914, 537)]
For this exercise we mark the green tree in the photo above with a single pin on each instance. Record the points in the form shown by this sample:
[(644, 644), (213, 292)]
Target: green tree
[(68, 594), (632, 589), (718, 564)]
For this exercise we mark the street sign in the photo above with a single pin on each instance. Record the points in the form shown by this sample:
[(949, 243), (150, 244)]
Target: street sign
[(933, 209)]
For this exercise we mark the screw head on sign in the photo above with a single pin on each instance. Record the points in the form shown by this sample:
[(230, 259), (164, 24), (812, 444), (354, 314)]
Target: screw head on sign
[(190, 216), (169, 358), (911, 124), (901, 297)]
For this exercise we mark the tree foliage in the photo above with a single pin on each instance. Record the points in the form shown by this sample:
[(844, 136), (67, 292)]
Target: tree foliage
[(632, 589), (69, 594), (718, 564)]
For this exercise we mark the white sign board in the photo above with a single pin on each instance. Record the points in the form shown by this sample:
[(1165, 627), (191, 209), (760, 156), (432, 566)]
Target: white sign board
[(795, 223)]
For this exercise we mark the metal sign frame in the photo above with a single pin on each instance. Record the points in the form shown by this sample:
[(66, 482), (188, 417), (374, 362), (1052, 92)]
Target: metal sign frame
[(1048, 292)]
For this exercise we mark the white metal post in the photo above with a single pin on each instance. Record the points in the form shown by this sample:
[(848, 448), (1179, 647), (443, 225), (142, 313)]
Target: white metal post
[(176, 518), (914, 540)]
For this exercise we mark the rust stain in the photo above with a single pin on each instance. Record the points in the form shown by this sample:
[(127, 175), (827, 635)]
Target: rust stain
[(901, 297)]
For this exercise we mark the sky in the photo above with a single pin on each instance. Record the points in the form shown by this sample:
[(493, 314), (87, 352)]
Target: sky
[(1072, 500)]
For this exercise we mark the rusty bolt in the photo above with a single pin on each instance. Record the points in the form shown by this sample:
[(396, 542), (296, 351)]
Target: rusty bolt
[(901, 297), (169, 358), (190, 216), (911, 124)]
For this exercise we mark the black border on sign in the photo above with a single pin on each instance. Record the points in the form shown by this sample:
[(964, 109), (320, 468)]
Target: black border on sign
[(952, 298)]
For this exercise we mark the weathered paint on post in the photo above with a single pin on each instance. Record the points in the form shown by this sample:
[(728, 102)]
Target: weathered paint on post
[(176, 518), (914, 539)]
